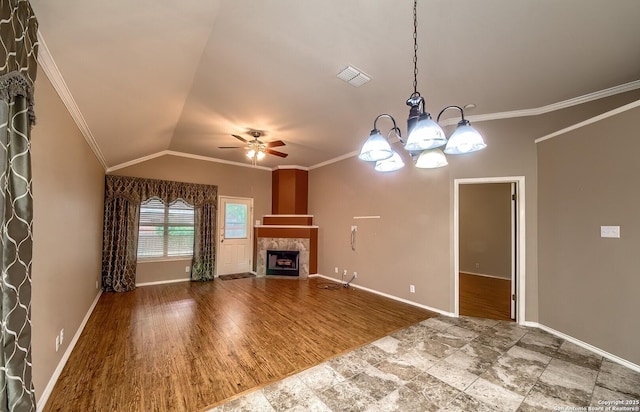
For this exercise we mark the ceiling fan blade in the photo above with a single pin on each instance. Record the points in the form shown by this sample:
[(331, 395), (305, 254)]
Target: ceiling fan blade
[(229, 147), (242, 139), (276, 143), (276, 153)]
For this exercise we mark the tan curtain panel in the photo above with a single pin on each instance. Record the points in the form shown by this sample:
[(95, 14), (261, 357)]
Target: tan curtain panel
[(18, 54), (123, 196)]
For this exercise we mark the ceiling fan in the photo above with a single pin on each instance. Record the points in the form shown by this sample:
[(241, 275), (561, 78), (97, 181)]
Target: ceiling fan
[(256, 149)]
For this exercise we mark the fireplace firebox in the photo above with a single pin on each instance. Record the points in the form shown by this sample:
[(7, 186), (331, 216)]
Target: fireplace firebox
[(283, 262)]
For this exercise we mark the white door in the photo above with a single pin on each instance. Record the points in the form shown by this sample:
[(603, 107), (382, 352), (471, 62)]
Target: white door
[(235, 235)]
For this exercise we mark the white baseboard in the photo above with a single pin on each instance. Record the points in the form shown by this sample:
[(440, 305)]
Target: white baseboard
[(163, 282), (386, 295), (56, 374), (591, 348), (483, 275), (530, 324)]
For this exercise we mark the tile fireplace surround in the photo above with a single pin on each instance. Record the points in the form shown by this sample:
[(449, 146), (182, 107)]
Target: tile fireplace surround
[(287, 232), (299, 244)]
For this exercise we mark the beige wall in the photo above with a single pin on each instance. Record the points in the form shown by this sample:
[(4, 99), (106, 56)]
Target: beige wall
[(68, 186), (238, 181), (408, 244), (485, 229), (589, 285), (412, 242), (162, 271)]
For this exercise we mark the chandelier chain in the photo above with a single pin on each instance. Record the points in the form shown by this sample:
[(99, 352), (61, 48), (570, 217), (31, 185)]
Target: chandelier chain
[(415, 47)]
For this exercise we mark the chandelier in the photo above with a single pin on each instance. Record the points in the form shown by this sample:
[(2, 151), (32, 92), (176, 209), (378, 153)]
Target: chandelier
[(425, 137)]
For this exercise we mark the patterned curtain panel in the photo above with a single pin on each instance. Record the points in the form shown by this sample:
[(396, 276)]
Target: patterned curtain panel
[(204, 245), (18, 54), (120, 241), (119, 244)]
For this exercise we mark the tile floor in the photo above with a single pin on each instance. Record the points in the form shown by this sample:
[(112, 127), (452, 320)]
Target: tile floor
[(455, 364)]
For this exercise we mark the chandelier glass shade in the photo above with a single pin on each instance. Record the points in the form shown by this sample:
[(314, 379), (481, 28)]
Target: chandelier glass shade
[(391, 164), (426, 134), (465, 139), (430, 159), (375, 148)]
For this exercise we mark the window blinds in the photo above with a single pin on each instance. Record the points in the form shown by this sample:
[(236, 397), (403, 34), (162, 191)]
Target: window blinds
[(165, 230)]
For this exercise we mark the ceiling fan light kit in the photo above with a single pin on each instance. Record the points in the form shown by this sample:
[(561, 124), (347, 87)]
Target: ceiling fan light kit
[(425, 136)]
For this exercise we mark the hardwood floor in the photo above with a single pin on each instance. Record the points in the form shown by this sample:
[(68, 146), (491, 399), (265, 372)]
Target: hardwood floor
[(485, 297), (185, 346)]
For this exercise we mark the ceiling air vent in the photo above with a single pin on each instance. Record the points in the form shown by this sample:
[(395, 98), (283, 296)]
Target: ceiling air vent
[(353, 76)]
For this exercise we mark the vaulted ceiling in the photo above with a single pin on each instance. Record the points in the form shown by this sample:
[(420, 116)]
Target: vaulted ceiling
[(155, 75)]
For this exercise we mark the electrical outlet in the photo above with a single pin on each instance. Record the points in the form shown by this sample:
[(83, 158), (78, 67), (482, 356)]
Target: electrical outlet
[(412, 288), (57, 342), (477, 265), (186, 269), (344, 272), (336, 270), (355, 275), (61, 336)]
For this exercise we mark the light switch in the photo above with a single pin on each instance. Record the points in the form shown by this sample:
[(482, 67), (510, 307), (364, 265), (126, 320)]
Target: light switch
[(610, 231)]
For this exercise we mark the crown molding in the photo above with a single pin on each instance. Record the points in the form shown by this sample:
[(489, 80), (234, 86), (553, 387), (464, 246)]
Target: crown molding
[(181, 154), (335, 160), (216, 160), (136, 161), (592, 120), (565, 104), (285, 167), (48, 65)]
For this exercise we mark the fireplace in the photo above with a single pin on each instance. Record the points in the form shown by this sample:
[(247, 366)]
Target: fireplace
[(282, 233), (283, 262)]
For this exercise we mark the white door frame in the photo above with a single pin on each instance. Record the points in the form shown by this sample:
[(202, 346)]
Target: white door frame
[(520, 233), (513, 220), (220, 218)]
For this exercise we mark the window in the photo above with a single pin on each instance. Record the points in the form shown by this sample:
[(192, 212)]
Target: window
[(165, 231)]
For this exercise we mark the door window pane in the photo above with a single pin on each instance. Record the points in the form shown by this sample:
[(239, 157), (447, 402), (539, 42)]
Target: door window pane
[(235, 221)]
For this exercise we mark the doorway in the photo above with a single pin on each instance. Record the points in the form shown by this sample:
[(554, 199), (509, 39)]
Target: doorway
[(235, 235), (489, 248)]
